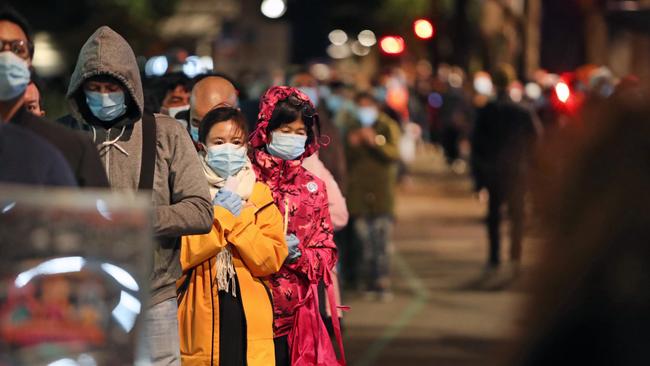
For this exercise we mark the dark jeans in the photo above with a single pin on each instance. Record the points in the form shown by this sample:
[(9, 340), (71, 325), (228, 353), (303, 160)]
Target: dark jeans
[(513, 199), (450, 138)]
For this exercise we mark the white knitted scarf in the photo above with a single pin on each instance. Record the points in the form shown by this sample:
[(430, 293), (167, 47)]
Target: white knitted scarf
[(242, 184)]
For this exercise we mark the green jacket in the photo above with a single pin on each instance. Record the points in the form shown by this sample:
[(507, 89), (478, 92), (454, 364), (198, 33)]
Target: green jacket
[(372, 170)]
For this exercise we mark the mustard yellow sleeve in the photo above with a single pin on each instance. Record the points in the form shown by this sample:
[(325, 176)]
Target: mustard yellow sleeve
[(259, 239), (196, 249)]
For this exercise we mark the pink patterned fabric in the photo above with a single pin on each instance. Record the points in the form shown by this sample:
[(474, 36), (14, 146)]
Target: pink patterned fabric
[(305, 196)]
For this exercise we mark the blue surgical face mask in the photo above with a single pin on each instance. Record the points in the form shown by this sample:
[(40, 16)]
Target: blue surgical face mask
[(194, 132), (312, 93), (14, 76), (334, 103), (286, 146), (380, 93), (367, 115), (106, 106), (227, 159)]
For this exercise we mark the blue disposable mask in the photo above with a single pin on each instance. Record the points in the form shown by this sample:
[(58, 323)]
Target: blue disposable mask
[(312, 93), (194, 132), (367, 115), (14, 76), (227, 159), (106, 106), (380, 94), (287, 146), (334, 103)]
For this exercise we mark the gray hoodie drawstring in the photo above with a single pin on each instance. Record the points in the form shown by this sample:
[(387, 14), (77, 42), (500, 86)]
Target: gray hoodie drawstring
[(113, 142)]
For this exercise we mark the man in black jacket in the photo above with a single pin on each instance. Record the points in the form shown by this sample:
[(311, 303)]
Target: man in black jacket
[(501, 152), (15, 58)]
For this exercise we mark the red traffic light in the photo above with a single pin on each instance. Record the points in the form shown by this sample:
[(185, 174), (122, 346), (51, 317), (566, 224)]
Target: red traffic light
[(423, 29), (392, 45)]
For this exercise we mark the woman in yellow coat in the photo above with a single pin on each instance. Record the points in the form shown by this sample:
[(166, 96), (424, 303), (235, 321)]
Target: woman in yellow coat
[(225, 308)]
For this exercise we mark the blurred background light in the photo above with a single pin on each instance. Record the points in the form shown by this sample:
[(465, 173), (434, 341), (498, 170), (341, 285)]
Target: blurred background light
[(533, 91), (483, 83), (359, 49), (423, 29), (273, 8), (392, 45), (367, 38), (156, 66), (339, 52), (562, 91), (338, 37), (48, 60)]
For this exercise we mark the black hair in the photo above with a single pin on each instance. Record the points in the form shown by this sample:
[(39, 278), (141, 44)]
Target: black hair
[(365, 95), (222, 114), (171, 81), (291, 109), (9, 14)]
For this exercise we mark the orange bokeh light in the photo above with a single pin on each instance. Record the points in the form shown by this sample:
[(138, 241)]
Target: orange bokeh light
[(423, 29), (392, 45)]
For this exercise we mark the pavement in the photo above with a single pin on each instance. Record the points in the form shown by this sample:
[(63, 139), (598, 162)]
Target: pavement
[(447, 310)]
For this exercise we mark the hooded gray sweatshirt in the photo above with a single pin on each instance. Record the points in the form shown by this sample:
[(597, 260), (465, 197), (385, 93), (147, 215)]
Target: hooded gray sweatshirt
[(180, 198)]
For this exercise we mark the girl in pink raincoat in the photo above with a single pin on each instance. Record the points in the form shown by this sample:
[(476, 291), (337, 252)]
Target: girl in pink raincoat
[(284, 136)]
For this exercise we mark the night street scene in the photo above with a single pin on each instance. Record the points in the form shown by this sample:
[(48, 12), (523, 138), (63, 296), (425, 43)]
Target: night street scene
[(324, 182)]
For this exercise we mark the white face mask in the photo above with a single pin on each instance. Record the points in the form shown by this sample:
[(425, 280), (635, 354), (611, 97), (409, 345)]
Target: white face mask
[(173, 111)]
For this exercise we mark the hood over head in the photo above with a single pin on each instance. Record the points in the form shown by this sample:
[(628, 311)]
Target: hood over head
[(106, 53), (260, 137)]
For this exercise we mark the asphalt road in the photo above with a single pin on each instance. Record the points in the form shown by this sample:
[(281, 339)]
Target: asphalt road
[(446, 309)]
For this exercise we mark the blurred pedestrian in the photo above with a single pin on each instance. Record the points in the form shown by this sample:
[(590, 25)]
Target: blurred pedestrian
[(143, 152), (454, 115), (15, 61), (372, 155), (502, 146), (33, 100), (177, 88), (590, 300), (208, 93), (331, 152), (285, 135), (225, 313)]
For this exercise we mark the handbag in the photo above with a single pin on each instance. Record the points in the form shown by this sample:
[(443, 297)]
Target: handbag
[(309, 341)]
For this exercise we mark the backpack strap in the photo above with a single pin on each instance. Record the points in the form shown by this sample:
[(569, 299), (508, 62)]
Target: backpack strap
[(148, 164)]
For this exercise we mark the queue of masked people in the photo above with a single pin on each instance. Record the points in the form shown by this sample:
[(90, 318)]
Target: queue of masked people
[(247, 214)]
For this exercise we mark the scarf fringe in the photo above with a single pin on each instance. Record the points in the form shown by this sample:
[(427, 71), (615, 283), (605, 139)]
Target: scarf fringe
[(226, 272)]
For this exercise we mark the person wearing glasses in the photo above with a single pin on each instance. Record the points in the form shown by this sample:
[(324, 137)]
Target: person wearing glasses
[(16, 52)]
